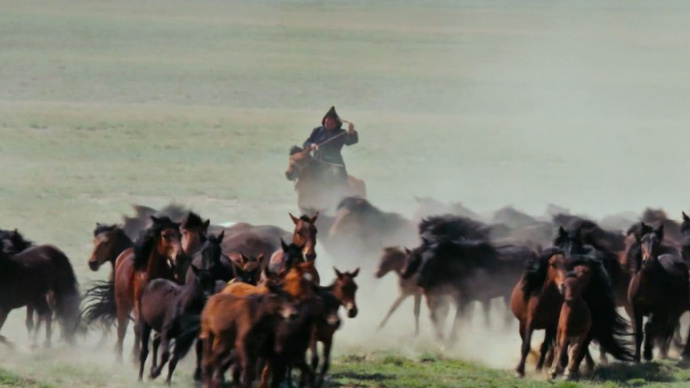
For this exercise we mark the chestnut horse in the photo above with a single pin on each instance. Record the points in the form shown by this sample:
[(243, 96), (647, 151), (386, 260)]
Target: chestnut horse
[(536, 302), (154, 256), (574, 323), (312, 192)]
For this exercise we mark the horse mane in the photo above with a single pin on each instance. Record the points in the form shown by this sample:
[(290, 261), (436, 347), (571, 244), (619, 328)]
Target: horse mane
[(147, 241), (452, 227), (103, 228), (609, 328), (192, 221), (17, 242), (295, 150), (535, 272)]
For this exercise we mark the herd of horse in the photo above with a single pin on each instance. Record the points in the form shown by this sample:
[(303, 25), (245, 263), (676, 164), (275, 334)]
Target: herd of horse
[(250, 300)]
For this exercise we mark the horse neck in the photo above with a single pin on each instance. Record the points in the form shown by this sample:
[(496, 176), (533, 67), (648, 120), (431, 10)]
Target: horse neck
[(123, 243), (157, 266), (192, 298)]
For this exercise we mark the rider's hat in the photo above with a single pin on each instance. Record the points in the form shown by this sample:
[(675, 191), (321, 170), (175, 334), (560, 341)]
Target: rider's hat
[(331, 113)]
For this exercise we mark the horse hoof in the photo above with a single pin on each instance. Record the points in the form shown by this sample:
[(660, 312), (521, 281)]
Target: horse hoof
[(519, 374)]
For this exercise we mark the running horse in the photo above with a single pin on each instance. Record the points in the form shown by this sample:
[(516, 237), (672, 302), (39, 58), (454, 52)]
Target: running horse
[(154, 256), (310, 174)]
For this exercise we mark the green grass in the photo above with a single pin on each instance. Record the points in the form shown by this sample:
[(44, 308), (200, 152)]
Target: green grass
[(105, 104)]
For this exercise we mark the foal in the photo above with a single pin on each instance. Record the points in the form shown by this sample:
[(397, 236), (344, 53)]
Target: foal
[(574, 323)]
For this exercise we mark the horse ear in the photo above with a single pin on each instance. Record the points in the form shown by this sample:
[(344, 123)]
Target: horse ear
[(283, 245), (260, 259), (660, 232), (295, 220), (313, 219), (221, 235), (685, 217), (407, 250), (195, 270), (338, 273), (155, 219), (562, 232), (98, 224), (355, 273), (244, 258), (207, 223)]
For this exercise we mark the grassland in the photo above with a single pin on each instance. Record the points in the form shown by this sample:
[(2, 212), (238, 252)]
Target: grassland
[(104, 104)]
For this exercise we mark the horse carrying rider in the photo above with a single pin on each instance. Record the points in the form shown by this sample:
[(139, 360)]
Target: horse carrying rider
[(328, 140)]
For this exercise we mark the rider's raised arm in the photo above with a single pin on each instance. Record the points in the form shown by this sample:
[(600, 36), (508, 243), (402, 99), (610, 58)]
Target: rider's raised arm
[(351, 138), (311, 140)]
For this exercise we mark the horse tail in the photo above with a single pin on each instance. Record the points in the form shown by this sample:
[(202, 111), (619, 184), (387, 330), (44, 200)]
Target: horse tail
[(100, 304), (67, 297)]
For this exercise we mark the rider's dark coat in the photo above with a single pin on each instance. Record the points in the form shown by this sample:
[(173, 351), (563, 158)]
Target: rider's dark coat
[(330, 152)]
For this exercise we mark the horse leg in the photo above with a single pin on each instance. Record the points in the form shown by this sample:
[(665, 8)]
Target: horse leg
[(589, 361), (486, 308), (181, 347), (393, 307), (526, 334), (154, 363), (417, 308), (314, 346), (145, 331), (576, 348), (48, 317), (326, 362), (650, 335), (122, 324), (307, 374), (199, 353), (136, 349), (639, 334), (207, 359), (29, 323), (548, 341), (560, 351), (3, 317), (460, 312), (434, 308)]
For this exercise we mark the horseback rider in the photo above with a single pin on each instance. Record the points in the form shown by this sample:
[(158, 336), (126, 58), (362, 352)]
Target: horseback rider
[(328, 140)]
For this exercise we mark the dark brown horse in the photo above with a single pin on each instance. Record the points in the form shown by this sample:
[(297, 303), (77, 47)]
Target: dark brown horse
[(343, 289), (154, 256), (394, 259), (13, 242), (26, 278), (574, 323), (173, 311), (212, 259), (361, 230), (312, 193), (658, 289)]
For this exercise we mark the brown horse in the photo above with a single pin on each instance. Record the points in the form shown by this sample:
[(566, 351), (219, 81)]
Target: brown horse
[(109, 241), (536, 302), (574, 323), (312, 193), (236, 328), (343, 289), (154, 256), (394, 259), (26, 278)]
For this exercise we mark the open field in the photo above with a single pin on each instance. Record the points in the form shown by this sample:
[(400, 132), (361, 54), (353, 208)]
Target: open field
[(105, 104)]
